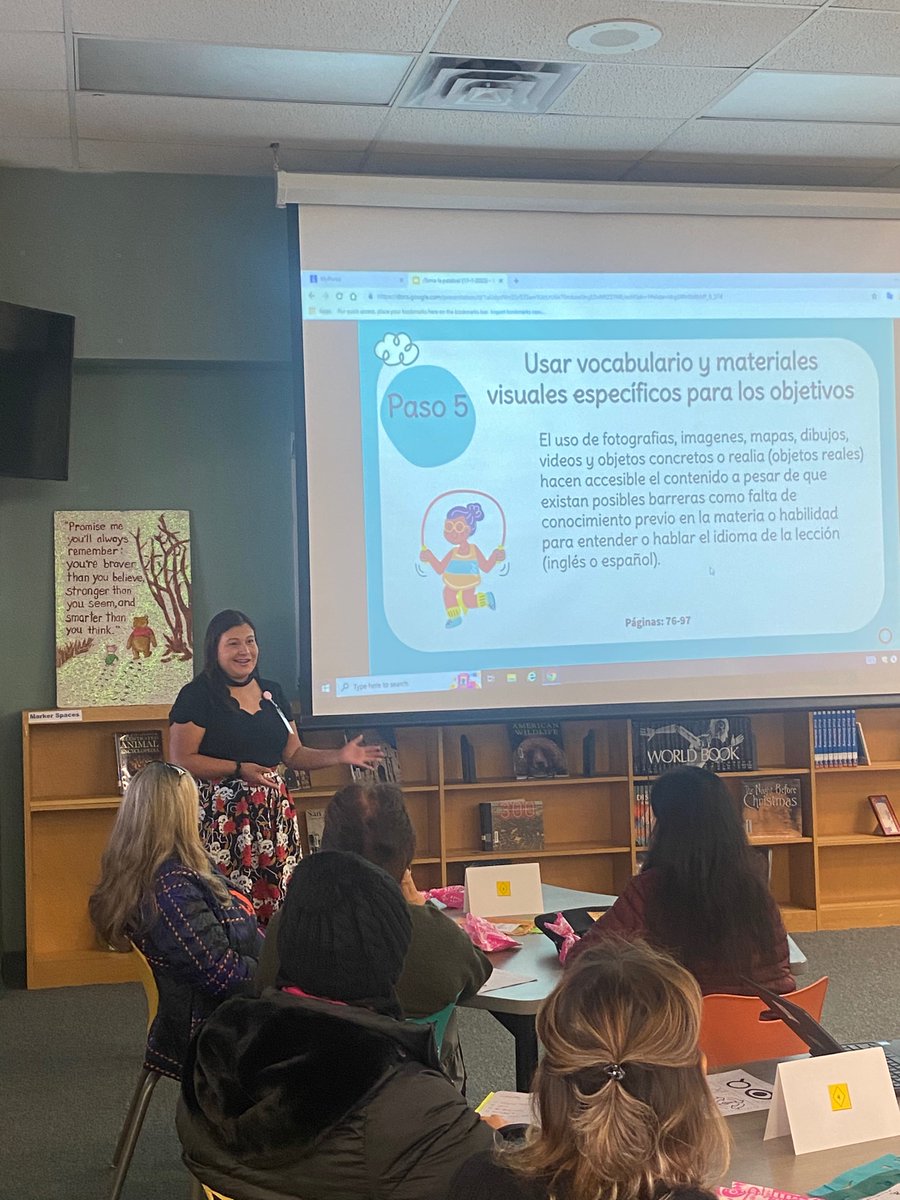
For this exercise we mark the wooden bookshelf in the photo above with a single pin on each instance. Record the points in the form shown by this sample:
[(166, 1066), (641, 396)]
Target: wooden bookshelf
[(71, 797), (839, 873)]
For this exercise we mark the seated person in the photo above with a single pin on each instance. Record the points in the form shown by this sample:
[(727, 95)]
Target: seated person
[(160, 891), (442, 964), (702, 894), (318, 1090), (624, 1106)]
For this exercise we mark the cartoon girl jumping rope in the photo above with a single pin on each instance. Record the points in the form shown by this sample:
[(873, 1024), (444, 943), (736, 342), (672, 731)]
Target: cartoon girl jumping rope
[(461, 566)]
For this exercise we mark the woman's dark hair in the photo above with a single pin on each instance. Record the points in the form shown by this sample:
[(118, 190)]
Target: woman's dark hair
[(227, 619), (371, 821), (711, 902)]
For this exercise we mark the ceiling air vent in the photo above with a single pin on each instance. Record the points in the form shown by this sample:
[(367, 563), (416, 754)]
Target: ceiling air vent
[(490, 84)]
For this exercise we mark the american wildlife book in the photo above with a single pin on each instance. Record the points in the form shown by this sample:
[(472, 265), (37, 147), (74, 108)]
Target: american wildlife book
[(134, 750), (772, 807), (537, 750), (512, 825), (717, 743), (388, 771)]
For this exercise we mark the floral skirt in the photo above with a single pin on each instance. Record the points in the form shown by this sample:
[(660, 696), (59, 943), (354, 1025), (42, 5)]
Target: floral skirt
[(251, 835)]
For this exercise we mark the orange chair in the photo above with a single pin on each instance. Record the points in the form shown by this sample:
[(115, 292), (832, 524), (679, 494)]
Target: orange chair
[(732, 1033)]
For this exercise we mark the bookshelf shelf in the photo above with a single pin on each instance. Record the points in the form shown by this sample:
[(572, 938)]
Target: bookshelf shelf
[(839, 874)]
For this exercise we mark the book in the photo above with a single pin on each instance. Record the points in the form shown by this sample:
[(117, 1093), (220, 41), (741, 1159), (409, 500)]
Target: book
[(512, 825), (643, 815), (388, 771), (537, 749), (589, 754), (717, 743), (862, 750), (315, 827), (467, 759), (296, 780), (134, 750), (772, 807)]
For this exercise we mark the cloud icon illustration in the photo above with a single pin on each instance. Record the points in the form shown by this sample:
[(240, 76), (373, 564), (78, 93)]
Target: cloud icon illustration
[(397, 350)]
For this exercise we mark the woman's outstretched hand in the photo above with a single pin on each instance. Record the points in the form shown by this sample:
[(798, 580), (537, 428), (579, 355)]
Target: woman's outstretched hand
[(358, 755)]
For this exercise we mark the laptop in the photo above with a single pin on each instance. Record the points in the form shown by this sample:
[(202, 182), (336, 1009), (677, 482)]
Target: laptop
[(818, 1039)]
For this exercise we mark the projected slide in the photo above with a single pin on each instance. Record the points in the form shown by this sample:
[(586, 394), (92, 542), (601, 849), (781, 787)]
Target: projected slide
[(636, 495), (602, 493)]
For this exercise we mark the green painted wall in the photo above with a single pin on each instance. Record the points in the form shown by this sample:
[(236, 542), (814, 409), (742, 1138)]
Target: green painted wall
[(156, 269)]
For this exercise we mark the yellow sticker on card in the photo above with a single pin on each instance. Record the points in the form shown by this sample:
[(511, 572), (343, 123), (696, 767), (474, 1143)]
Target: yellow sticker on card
[(504, 888), (839, 1094)]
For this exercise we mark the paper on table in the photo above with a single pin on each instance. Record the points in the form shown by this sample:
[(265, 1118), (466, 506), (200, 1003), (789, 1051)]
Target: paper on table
[(737, 1092), (504, 979), (752, 1191), (514, 1107)]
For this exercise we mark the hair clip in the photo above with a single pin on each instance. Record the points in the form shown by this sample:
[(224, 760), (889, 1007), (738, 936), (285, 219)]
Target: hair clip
[(614, 1071)]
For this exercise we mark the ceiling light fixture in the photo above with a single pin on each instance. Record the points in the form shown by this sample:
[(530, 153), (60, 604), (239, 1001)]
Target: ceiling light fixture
[(614, 37)]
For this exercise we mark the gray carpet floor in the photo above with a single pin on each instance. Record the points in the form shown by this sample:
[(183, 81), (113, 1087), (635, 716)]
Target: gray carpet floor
[(69, 1059)]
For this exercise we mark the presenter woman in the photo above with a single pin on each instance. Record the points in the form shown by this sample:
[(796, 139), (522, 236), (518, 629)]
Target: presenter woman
[(231, 728), (702, 894), (625, 1110)]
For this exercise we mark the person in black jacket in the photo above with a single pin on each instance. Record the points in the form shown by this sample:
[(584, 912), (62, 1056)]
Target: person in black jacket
[(317, 1089), (159, 891), (442, 966), (625, 1111)]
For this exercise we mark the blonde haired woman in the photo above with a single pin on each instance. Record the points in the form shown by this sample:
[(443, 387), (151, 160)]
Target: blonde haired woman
[(625, 1111), (159, 891)]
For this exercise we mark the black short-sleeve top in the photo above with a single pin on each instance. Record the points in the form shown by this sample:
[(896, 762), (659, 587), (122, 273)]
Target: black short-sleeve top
[(229, 731)]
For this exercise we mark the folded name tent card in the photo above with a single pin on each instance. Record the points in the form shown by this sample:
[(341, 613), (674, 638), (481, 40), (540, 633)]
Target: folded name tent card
[(834, 1100), (513, 890), (739, 1092)]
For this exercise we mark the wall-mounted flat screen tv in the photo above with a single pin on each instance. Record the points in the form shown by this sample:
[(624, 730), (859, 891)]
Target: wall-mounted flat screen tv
[(36, 354)]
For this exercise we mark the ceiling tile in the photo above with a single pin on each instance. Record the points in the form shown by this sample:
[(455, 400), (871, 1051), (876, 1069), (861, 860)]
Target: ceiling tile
[(772, 140), (179, 119), (884, 5), (779, 174), (313, 24), (31, 14), (848, 41), (487, 132), (713, 35), (30, 114), (33, 60), (52, 153), (496, 166), (617, 90)]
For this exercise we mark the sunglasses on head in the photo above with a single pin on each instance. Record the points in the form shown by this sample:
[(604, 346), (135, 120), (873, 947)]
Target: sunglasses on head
[(179, 771)]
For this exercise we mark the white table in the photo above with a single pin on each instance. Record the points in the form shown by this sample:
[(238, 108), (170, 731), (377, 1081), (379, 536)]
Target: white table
[(515, 1007)]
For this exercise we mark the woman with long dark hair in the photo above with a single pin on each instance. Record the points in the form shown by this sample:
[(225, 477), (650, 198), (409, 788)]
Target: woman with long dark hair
[(702, 894), (231, 728), (625, 1109)]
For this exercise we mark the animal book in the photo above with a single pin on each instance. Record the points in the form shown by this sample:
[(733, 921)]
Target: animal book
[(135, 750), (718, 743), (537, 749), (772, 808), (388, 771), (512, 825)]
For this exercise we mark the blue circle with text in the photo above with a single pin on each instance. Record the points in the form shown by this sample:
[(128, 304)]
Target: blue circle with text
[(428, 415)]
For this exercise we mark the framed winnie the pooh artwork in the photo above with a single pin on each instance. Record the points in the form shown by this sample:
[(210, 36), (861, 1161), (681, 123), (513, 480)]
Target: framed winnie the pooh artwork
[(124, 633)]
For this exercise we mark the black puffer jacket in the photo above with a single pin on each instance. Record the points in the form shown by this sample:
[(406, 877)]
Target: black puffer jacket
[(291, 1096)]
